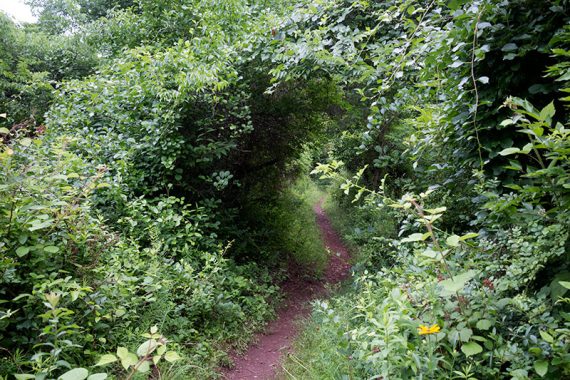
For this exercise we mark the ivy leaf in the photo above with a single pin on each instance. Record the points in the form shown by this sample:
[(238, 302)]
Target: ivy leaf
[(541, 367), (471, 348), (4, 131)]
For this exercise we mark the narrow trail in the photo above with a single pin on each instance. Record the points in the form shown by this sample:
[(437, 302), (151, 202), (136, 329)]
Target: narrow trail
[(262, 360)]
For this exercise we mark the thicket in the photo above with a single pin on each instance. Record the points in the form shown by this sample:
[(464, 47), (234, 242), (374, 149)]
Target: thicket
[(146, 213), (451, 161), (153, 194)]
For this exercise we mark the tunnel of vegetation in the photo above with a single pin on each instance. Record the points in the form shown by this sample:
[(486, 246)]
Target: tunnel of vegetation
[(148, 151)]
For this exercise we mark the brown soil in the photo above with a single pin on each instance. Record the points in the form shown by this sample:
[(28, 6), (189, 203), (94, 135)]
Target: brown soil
[(262, 360)]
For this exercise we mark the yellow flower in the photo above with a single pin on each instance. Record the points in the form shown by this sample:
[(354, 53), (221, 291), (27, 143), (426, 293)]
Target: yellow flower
[(426, 330)]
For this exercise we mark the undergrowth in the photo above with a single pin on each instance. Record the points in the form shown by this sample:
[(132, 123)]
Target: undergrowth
[(146, 217), (292, 222)]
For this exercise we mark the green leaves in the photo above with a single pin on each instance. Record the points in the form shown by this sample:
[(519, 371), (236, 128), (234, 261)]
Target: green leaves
[(547, 112), (541, 367), (51, 249), (469, 235), (546, 336), (166, 117), (22, 251), (453, 240), (127, 358), (26, 141), (456, 283), (39, 224), (147, 348), (484, 80), (106, 359), (509, 47), (415, 237), (471, 348), (98, 376), (75, 374), (509, 151), (484, 324), (171, 356), (144, 366), (565, 284), (80, 374), (141, 361)]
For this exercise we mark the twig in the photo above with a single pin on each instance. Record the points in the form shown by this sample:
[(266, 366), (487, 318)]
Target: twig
[(475, 31)]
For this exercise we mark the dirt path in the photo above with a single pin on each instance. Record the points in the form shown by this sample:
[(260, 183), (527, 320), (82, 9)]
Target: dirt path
[(262, 360)]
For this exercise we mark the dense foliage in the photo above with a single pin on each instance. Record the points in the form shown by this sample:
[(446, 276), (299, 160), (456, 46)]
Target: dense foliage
[(460, 197), (154, 185), (136, 204)]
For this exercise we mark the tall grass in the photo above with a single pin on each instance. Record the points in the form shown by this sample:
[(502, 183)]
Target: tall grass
[(296, 221), (318, 350)]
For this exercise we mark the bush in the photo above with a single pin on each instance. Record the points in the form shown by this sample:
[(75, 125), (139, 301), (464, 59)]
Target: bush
[(73, 287)]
